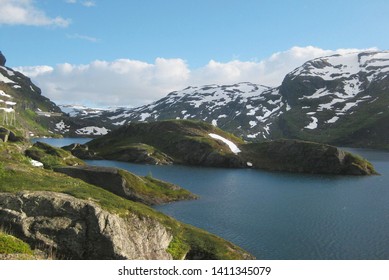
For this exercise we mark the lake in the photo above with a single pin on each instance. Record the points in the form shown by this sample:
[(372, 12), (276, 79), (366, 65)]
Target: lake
[(282, 215)]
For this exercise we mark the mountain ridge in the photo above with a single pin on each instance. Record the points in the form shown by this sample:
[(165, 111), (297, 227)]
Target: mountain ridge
[(328, 99)]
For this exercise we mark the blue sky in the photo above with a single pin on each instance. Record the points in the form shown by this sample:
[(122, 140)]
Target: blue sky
[(186, 36)]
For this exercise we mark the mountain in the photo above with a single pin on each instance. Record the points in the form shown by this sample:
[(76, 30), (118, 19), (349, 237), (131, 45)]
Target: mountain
[(339, 99), (245, 109), (22, 106), (21, 102)]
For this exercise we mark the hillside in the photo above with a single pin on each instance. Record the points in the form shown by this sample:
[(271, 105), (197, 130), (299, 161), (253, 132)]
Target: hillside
[(72, 219), (340, 99), (22, 104), (185, 142), (198, 143)]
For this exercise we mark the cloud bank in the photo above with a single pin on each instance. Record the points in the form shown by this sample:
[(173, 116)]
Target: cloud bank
[(126, 82), (23, 12)]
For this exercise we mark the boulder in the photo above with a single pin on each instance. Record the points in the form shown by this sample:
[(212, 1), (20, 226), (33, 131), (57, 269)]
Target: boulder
[(78, 229)]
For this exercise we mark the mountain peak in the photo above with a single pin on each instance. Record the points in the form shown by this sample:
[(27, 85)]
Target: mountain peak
[(2, 59)]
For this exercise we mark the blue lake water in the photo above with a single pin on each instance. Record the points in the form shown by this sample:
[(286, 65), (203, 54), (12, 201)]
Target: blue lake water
[(283, 215)]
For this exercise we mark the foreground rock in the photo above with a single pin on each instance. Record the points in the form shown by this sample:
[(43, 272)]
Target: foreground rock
[(147, 190), (79, 229)]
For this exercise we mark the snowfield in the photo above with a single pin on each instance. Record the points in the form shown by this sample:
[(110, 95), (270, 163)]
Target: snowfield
[(234, 148)]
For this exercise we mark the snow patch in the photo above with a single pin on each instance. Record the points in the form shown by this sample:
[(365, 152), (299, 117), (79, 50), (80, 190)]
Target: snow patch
[(36, 163), (234, 148), (4, 79), (313, 124), (333, 120), (120, 123), (2, 93), (144, 116), (252, 124), (92, 130)]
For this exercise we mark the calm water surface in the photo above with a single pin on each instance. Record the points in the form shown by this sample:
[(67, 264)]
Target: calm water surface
[(283, 215)]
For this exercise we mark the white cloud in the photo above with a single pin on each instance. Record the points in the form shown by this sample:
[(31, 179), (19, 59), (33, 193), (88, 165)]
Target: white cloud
[(125, 82), (88, 4), (83, 37), (23, 12), (84, 3)]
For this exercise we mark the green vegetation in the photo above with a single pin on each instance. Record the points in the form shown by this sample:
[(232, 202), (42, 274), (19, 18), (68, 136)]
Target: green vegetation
[(178, 141), (153, 188), (51, 156), (304, 156), (12, 245), (18, 175)]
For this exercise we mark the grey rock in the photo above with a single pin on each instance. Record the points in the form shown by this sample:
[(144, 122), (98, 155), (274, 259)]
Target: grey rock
[(77, 229), (2, 59)]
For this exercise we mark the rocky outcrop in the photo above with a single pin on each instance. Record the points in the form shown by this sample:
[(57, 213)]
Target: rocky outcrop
[(8, 135), (78, 229), (304, 157), (127, 185), (81, 151), (2, 59)]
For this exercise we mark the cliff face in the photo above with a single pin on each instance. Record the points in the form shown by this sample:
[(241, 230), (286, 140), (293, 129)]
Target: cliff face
[(79, 229)]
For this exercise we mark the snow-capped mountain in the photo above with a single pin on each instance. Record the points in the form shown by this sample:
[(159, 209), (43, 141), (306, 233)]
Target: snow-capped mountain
[(325, 99), (22, 104), (242, 108), (339, 99)]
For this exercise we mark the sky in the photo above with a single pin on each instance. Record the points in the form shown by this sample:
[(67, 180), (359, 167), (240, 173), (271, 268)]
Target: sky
[(131, 52)]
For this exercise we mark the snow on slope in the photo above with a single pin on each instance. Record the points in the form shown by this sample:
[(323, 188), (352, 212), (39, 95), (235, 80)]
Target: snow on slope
[(229, 143), (250, 105), (346, 65), (346, 79)]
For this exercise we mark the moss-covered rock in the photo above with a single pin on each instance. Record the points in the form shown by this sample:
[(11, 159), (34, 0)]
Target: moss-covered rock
[(147, 189), (51, 156)]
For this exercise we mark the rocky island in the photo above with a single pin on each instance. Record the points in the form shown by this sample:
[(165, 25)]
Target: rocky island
[(198, 143)]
